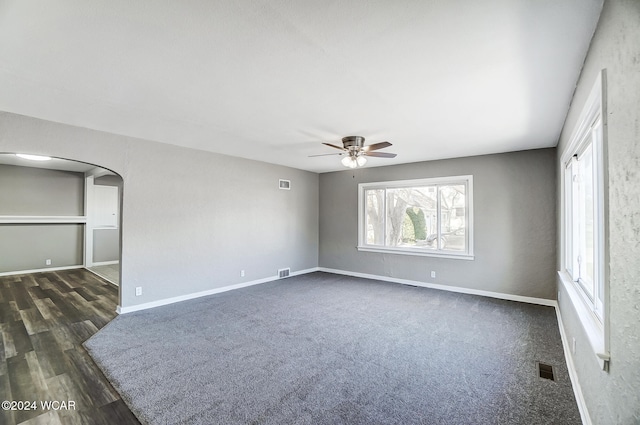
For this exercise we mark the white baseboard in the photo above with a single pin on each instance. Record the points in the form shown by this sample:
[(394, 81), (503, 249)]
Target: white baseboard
[(48, 269), (573, 374), (459, 289), (166, 301), (104, 263)]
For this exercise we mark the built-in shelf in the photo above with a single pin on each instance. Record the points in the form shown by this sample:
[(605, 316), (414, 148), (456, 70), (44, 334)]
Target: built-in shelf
[(42, 219)]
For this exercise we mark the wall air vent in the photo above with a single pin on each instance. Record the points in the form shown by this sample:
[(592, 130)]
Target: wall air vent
[(283, 273), (284, 184)]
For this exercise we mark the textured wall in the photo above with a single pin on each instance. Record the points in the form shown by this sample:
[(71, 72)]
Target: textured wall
[(514, 208), (191, 219), (34, 191), (27, 246), (614, 397)]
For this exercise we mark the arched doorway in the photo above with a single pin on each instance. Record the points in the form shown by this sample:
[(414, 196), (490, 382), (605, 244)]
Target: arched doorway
[(59, 214)]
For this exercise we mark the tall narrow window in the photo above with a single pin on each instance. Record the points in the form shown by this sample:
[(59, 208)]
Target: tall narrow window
[(419, 217), (583, 197), (583, 215)]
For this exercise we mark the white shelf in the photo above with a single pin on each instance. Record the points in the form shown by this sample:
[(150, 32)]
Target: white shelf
[(42, 219)]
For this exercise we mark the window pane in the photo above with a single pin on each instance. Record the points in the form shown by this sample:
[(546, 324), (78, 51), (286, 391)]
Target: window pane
[(453, 216), (411, 216), (586, 217), (568, 203), (374, 220)]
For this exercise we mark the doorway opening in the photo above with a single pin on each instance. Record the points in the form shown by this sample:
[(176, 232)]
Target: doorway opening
[(59, 214)]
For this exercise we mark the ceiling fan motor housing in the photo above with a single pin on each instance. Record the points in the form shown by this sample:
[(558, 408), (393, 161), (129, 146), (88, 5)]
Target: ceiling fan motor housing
[(354, 144)]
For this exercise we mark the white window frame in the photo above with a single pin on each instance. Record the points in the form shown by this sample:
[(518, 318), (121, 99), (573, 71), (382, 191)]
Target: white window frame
[(589, 130), (441, 181)]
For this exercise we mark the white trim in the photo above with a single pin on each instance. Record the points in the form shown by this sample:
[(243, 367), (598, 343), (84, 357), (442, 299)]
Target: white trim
[(590, 323), (416, 251), (573, 373), (50, 269), (106, 263), (166, 301), (42, 219), (87, 252), (416, 182), (458, 289), (591, 110)]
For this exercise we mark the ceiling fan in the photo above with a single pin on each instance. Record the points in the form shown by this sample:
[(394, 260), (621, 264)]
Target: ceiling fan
[(356, 152)]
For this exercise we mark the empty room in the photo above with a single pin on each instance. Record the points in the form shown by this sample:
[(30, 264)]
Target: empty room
[(358, 212)]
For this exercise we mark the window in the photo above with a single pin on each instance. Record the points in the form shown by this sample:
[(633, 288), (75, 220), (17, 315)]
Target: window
[(583, 211), (418, 217)]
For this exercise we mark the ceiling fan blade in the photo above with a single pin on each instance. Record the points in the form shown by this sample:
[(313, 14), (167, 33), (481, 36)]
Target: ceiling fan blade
[(376, 146), (334, 146), (380, 154), (327, 154)]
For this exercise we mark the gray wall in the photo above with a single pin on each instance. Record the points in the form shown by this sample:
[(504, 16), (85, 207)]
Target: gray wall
[(26, 191), (106, 245), (27, 246), (191, 220), (106, 242), (614, 397), (514, 224), (36, 191)]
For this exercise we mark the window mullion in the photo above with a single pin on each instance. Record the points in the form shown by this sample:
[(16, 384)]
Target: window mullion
[(439, 218), (385, 215)]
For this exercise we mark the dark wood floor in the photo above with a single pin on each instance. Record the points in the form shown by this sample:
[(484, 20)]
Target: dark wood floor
[(44, 318)]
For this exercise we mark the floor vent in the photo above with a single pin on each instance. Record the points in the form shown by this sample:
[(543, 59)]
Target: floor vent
[(545, 371), (283, 273)]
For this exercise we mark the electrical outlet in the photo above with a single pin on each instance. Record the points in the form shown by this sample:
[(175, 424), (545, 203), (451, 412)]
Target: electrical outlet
[(138, 291), (433, 274), (241, 273), (47, 262), (573, 345)]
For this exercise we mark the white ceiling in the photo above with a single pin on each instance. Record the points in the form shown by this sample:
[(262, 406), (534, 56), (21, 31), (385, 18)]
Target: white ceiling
[(271, 79)]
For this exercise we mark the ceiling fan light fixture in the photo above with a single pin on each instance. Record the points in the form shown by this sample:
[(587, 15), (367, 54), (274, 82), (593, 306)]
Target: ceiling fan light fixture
[(355, 151), (349, 161)]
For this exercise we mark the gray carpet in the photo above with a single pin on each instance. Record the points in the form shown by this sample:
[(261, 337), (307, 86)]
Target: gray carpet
[(329, 349)]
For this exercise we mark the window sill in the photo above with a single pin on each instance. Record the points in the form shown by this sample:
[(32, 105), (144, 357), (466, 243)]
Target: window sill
[(590, 323), (422, 253)]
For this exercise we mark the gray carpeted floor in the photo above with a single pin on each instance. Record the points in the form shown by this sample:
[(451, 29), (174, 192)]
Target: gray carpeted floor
[(329, 349)]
